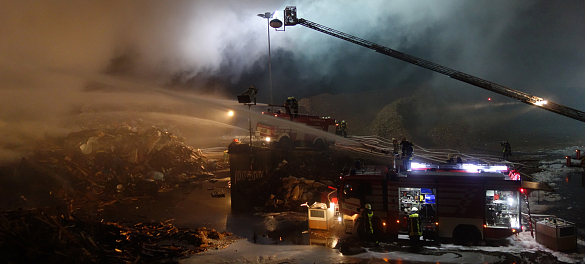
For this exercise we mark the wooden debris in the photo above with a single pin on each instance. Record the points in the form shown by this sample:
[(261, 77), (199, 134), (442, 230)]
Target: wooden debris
[(34, 236)]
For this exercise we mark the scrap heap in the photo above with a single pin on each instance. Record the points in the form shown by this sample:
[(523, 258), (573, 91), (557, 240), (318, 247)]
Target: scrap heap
[(93, 168), (32, 236), (52, 198)]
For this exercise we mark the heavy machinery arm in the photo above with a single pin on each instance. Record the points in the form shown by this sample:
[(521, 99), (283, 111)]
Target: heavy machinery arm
[(291, 20)]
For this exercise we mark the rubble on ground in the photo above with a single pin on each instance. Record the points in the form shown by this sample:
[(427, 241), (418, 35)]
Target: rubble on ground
[(96, 167), (33, 236), (297, 191)]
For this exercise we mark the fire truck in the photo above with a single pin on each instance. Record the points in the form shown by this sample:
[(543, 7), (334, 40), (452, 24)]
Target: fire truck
[(463, 202), (288, 135)]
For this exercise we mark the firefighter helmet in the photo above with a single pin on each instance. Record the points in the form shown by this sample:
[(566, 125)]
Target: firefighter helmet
[(368, 206), (414, 209)]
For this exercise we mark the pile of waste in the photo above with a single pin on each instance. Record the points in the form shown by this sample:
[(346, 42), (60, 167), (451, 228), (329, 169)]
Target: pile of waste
[(297, 191), (42, 236), (96, 167)]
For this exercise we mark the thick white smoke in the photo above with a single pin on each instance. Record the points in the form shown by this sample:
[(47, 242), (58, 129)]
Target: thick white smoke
[(530, 46)]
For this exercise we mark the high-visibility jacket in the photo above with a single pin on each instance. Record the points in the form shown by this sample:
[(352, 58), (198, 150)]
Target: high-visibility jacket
[(367, 218), (414, 225)]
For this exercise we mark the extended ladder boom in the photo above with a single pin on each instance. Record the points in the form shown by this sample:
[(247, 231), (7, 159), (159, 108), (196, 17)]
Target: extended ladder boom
[(464, 77)]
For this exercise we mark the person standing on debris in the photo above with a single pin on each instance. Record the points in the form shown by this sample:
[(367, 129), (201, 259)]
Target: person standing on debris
[(414, 230), (507, 149), (343, 128), (368, 228)]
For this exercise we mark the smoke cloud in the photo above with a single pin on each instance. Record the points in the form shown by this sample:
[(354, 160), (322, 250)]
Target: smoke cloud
[(50, 51)]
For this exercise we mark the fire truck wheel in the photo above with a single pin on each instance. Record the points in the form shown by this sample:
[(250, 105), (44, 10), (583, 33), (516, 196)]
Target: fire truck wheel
[(319, 144), (286, 143), (466, 235)]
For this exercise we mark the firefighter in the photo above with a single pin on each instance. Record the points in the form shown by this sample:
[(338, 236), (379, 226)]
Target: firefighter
[(396, 146), (407, 148), (343, 128), (414, 228), (458, 159), (367, 225), (226, 156), (287, 105), (507, 149), (294, 105), (407, 152)]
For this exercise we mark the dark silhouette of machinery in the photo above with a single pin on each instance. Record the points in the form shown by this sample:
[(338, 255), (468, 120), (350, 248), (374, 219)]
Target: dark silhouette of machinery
[(290, 19)]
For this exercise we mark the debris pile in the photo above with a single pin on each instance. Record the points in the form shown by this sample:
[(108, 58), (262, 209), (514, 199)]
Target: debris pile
[(297, 191), (35, 236), (93, 168)]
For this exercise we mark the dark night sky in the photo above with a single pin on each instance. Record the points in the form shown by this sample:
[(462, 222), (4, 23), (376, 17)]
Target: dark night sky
[(50, 49)]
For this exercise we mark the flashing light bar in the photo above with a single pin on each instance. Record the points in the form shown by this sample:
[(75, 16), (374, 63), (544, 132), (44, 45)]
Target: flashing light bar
[(541, 102), (467, 167)]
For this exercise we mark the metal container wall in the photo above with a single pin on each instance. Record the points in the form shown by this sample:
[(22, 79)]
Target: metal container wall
[(556, 234)]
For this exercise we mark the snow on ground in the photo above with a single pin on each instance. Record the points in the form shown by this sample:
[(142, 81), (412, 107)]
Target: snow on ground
[(244, 251), (552, 169), (524, 242)]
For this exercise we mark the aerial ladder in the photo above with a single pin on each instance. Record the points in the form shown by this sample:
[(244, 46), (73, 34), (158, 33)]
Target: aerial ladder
[(290, 19)]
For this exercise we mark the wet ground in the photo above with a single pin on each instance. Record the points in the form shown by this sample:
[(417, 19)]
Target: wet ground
[(193, 206)]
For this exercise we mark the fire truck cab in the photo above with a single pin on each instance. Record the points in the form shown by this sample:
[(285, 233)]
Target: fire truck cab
[(466, 205), (291, 135)]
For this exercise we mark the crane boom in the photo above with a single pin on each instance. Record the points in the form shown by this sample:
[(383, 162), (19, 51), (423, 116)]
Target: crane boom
[(291, 20)]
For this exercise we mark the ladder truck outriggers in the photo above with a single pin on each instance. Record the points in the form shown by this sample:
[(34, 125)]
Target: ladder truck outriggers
[(464, 202)]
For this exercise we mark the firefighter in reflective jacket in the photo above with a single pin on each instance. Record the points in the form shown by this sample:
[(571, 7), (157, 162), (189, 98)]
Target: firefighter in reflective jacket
[(367, 225), (344, 128), (414, 230)]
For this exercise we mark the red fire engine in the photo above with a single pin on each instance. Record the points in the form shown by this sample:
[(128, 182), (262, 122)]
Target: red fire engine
[(465, 202), (290, 135)]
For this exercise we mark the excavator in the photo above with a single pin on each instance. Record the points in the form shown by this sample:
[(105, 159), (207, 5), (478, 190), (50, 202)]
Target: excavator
[(291, 19)]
